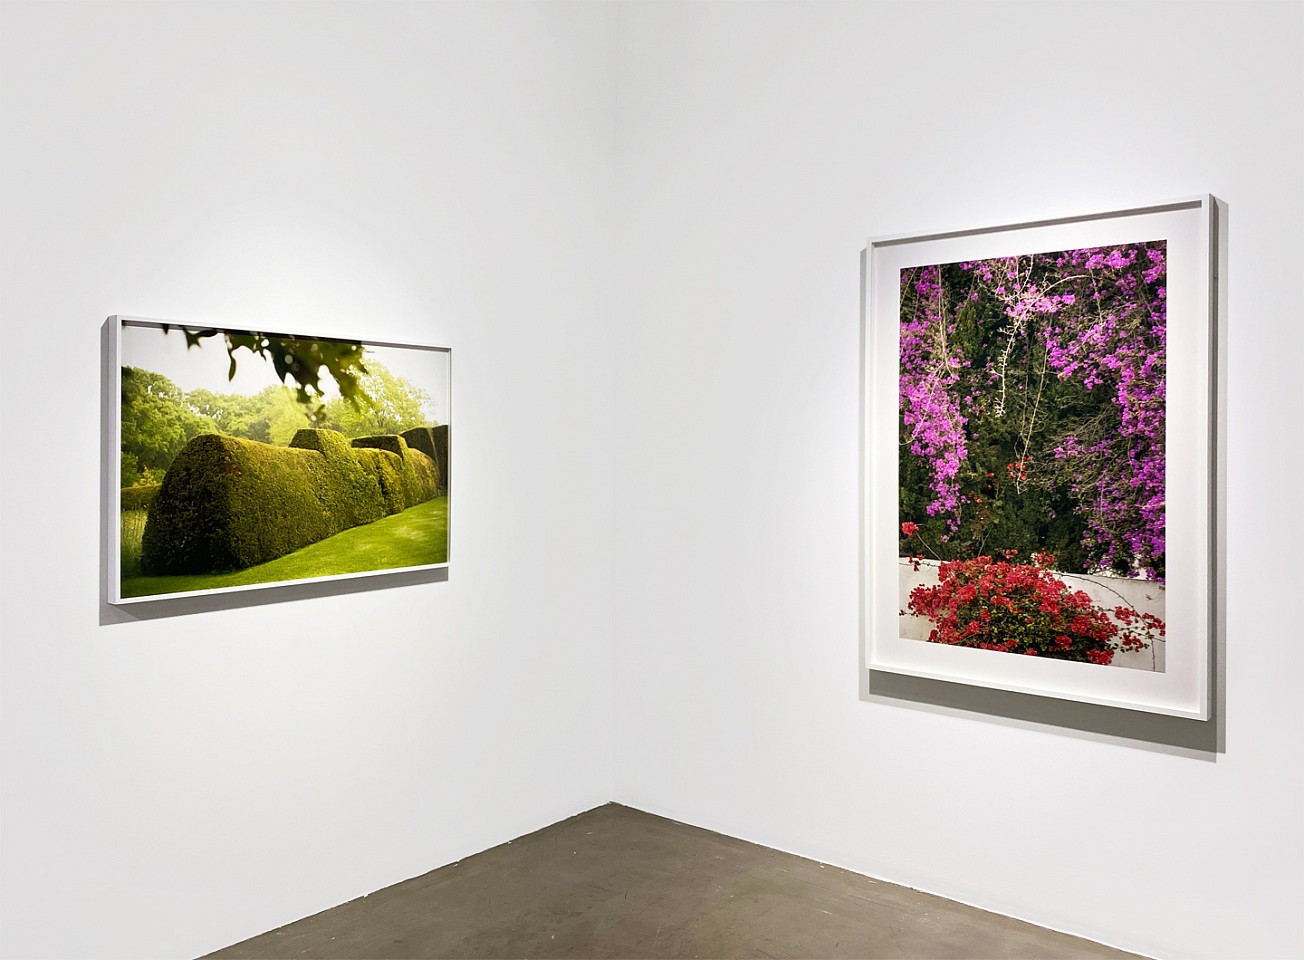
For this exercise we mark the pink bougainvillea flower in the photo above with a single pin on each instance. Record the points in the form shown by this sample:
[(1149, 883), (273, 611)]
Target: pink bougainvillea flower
[(1092, 319)]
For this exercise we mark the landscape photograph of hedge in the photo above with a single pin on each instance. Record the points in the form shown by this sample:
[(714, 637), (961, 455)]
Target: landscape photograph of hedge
[(1031, 456), (251, 458)]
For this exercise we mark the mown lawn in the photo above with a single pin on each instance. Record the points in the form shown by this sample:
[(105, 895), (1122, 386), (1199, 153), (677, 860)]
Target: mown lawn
[(415, 537), (133, 529)]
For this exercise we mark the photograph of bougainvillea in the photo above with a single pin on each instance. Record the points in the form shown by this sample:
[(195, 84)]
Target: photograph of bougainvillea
[(1031, 460), (250, 458)]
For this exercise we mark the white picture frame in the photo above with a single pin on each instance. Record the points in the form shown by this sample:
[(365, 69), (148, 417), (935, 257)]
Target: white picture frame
[(1182, 687), (409, 470)]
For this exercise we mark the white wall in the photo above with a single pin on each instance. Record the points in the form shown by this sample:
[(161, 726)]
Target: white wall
[(437, 173), (454, 173), (760, 145)]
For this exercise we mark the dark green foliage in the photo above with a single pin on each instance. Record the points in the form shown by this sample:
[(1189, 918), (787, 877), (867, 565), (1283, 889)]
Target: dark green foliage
[(421, 438), (394, 444), (139, 496), (424, 476), (1013, 499), (433, 442), (418, 475), (416, 537), (155, 424), (295, 358), (442, 456), (158, 419), (351, 496), (386, 469), (228, 503)]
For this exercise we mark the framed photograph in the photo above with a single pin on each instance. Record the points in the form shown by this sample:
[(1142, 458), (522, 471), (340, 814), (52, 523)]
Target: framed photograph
[(1039, 413), (247, 459)]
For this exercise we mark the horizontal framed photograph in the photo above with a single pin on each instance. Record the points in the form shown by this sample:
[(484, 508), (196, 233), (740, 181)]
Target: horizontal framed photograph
[(247, 459), (1039, 432)]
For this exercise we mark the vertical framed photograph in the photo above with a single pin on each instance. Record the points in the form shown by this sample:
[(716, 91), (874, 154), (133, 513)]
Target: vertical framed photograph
[(246, 459), (1039, 456)]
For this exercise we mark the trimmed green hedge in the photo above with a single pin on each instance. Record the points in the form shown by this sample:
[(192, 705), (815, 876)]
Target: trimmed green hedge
[(433, 442), (228, 503), (417, 474), (351, 495), (139, 496), (384, 468), (442, 456)]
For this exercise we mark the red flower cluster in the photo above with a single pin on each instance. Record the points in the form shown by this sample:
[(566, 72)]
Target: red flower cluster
[(909, 529), (1026, 609)]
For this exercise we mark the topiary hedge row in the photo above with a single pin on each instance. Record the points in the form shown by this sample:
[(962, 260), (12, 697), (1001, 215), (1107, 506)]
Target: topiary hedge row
[(227, 503), (417, 475), (433, 442), (139, 496)]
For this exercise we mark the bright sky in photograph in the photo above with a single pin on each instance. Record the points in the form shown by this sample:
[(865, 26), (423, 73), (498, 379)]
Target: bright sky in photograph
[(205, 367)]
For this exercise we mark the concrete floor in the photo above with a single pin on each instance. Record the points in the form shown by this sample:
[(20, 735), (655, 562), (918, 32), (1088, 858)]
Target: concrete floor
[(615, 882)]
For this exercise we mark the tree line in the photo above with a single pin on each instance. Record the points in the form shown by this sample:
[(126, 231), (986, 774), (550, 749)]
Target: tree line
[(159, 418)]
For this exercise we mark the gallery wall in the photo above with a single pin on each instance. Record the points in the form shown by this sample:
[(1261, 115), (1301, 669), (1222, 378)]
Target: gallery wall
[(639, 227), (761, 144), (421, 172)]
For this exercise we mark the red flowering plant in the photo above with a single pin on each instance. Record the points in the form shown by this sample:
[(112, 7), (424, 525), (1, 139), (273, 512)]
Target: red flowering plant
[(1024, 608)]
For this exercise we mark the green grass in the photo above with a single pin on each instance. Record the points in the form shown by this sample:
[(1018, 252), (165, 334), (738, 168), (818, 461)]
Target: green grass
[(133, 528), (415, 537)]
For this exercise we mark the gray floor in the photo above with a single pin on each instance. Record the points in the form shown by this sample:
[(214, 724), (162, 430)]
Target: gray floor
[(615, 882)]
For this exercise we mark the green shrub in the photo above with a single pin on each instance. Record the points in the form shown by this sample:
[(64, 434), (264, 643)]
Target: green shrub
[(418, 475), (421, 438), (228, 503), (139, 496), (385, 441), (423, 477), (433, 442), (133, 528), (443, 456), (385, 467), (352, 496)]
